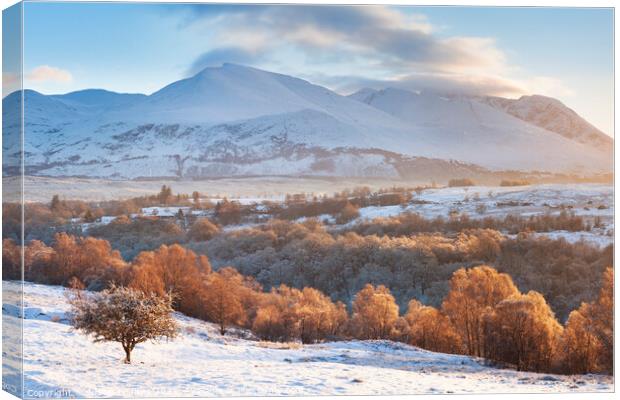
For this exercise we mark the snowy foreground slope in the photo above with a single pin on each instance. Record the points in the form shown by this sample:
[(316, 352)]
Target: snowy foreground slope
[(200, 362)]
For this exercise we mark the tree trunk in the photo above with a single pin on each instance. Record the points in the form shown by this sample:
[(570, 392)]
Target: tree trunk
[(127, 354)]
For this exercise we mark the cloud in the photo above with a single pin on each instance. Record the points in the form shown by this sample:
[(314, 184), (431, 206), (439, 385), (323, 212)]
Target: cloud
[(383, 45), (375, 32), (10, 82), (446, 84), (217, 57), (45, 73)]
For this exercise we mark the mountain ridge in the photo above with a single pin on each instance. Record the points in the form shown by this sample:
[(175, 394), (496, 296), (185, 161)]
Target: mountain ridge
[(234, 120)]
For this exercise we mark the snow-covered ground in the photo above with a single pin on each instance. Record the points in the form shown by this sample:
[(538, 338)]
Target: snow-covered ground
[(587, 200), (498, 201), (60, 361)]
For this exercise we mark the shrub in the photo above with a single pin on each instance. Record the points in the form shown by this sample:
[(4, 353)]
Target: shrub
[(460, 182), (202, 230), (514, 182), (228, 212), (348, 213)]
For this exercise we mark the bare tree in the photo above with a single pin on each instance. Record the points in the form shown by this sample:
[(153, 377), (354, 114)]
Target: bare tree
[(123, 315)]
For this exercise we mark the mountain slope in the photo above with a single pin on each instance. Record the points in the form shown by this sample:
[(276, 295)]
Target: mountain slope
[(551, 114), (200, 362), (476, 128), (235, 120)]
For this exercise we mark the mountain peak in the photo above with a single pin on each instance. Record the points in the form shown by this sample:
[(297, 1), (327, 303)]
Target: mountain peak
[(543, 100), (228, 67)]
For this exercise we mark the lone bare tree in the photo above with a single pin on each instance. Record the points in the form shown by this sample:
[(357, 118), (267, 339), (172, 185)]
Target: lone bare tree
[(123, 315)]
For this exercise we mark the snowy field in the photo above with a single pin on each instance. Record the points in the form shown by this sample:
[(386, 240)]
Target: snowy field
[(498, 201), (587, 200), (261, 188), (59, 361)]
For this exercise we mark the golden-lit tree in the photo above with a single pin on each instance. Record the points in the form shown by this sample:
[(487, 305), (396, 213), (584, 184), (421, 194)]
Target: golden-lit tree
[(172, 269), (11, 260), (89, 259), (308, 315), (580, 346), (99, 265), (587, 342), (63, 265), (522, 330), (275, 317), (374, 313), (603, 320), (473, 293), (222, 298), (37, 257), (318, 316), (429, 329)]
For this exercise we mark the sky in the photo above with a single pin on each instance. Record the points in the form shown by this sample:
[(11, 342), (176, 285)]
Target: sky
[(566, 53)]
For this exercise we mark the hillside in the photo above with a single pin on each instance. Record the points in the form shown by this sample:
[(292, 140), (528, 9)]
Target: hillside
[(203, 363), (551, 114), (240, 121)]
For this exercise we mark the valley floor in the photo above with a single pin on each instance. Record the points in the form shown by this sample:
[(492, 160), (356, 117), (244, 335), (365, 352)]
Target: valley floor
[(59, 362), (39, 188)]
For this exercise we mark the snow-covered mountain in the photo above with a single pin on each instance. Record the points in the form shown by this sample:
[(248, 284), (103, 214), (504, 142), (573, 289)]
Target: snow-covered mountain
[(237, 121)]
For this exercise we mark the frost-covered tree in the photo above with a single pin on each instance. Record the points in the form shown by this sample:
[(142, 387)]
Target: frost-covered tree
[(123, 315)]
